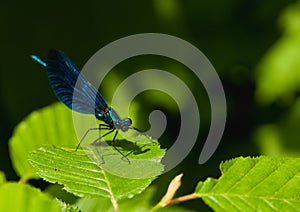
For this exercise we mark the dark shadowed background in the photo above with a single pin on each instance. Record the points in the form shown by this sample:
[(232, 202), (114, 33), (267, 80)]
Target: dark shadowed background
[(243, 40)]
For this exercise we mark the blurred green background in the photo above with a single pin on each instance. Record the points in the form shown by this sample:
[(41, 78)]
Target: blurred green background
[(254, 46)]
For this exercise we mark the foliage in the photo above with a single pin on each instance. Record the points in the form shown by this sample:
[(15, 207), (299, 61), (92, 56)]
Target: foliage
[(261, 183), (43, 144), (254, 184), (23, 197), (280, 66), (278, 80)]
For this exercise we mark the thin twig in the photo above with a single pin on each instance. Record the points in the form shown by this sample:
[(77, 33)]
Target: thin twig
[(182, 199), (23, 180)]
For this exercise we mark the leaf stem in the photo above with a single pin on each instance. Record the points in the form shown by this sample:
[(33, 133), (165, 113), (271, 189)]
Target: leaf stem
[(183, 199), (168, 200), (115, 205), (23, 180)]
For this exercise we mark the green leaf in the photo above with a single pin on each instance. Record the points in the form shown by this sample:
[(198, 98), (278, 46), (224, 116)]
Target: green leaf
[(278, 139), (139, 203), (144, 156), (57, 191), (55, 125), (2, 178), (84, 177), (50, 125), (22, 197), (269, 140), (94, 204), (280, 66), (66, 207), (254, 184)]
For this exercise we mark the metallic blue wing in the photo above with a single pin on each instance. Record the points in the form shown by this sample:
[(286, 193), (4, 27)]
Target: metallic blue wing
[(63, 76)]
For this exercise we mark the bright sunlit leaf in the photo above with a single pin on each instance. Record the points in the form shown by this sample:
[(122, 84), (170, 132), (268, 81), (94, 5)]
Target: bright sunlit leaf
[(22, 197), (254, 184), (50, 125)]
